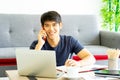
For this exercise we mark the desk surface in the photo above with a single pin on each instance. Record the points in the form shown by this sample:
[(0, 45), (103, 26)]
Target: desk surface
[(13, 75)]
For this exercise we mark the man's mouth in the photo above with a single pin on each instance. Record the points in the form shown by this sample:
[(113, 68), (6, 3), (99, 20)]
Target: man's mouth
[(52, 33)]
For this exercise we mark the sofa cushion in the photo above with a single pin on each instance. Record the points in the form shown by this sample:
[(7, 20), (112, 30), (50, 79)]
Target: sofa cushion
[(97, 49), (9, 52), (84, 28), (14, 28)]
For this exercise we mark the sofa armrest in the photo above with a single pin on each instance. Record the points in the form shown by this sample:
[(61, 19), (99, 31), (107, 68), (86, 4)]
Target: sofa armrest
[(110, 39)]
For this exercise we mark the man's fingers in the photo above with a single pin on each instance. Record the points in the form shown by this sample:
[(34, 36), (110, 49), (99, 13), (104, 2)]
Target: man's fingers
[(42, 33), (70, 62)]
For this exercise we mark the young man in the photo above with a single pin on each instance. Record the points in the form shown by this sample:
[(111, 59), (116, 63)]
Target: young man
[(50, 39)]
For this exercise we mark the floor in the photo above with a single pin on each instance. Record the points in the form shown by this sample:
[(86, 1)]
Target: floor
[(4, 68)]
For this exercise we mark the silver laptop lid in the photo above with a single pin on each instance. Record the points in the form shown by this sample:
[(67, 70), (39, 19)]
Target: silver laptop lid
[(40, 63)]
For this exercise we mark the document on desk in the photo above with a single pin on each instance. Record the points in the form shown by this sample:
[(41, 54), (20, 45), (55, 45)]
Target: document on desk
[(84, 69)]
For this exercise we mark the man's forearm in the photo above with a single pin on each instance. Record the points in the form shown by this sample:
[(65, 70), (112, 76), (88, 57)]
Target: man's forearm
[(38, 46), (87, 61)]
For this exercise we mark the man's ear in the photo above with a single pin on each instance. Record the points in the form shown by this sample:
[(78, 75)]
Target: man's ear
[(61, 25), (42, 27)]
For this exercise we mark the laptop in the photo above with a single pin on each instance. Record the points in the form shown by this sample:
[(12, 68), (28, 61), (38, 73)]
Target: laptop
[(38, 63)]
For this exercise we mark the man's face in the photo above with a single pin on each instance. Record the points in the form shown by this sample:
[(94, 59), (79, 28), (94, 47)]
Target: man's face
[(52, 29)]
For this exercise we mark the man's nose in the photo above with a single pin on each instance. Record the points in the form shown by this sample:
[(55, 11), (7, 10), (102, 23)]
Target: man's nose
[(51, 27)]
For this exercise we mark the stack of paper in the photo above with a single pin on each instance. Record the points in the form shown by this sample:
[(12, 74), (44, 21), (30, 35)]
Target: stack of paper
[(84, 69)]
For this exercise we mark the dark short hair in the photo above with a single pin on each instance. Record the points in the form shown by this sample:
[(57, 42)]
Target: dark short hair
[(50, 16)]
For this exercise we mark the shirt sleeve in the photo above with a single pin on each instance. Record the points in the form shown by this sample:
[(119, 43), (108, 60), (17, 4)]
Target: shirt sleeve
[(32, 46), (76, 46)]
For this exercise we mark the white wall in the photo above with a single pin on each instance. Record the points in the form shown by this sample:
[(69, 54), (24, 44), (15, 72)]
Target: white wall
[(40, 6)]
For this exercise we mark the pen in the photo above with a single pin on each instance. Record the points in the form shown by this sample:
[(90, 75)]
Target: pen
[(69, 56)]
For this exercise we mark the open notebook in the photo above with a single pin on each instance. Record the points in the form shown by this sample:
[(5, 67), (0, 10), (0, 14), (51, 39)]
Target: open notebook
[(85, 68)]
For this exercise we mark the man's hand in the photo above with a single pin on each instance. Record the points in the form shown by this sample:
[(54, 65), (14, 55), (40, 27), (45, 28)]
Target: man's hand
[(41, 39), (42, 36), (71, 62)]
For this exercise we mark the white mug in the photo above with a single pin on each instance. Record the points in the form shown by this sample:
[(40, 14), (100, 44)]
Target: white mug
[(72, 71)]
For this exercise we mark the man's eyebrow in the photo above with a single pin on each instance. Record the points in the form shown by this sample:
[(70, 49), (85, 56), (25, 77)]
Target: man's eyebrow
[(45, 24)]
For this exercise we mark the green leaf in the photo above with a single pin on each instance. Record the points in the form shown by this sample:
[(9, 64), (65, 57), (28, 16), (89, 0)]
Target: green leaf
[(110, 13)]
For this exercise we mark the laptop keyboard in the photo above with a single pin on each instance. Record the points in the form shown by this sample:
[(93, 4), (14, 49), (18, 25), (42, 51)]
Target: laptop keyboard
[(31, 77), (59, 73)]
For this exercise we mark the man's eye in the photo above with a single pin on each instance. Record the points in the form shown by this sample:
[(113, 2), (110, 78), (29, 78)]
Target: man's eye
[(54, 24), (46, 25)]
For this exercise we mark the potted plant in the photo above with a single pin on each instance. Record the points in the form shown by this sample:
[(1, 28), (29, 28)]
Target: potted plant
[(110, 13)]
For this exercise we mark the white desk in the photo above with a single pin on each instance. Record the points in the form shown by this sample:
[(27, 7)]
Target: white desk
[(13, 75)]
